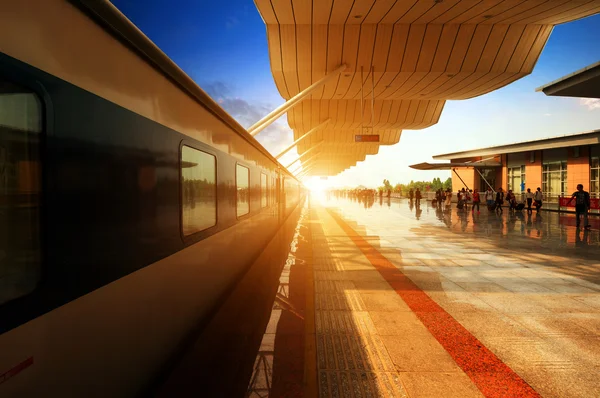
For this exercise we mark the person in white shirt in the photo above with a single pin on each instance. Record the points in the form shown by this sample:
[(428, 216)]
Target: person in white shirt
[(529, 196), (489, 197), (537, 197)]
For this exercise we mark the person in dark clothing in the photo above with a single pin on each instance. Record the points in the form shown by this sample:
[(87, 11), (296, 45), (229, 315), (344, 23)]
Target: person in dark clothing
[(582, 205), (411, 194), (499, 200), (418, 197)]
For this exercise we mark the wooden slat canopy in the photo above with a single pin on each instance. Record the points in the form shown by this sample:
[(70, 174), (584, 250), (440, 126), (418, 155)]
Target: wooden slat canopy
[(409, 55)]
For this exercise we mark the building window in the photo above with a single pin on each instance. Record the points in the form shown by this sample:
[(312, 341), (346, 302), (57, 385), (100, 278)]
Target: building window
[(489, 175), (595, 177), (554, 180), (264, 190), (198, 190), (20, 190), (242, 182), (516, 179)]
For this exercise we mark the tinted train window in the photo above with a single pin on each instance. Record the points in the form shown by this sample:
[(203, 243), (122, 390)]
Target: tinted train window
[(264, 191), (20, 190), (198, 190), (242, 183)]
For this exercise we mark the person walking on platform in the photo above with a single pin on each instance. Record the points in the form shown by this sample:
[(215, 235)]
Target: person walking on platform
[(489, 197), (499, 200), (537, 198), (511, 199), (582, 205), (418, 197), (529, 198), (468, 198), (448, 197), (476, 201), (411, 194)]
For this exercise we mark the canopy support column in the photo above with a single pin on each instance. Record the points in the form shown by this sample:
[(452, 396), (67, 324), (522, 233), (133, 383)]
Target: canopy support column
[(304, 154), (289, 104), (310, 158), (483, 178), (464, 183), (301, 138)]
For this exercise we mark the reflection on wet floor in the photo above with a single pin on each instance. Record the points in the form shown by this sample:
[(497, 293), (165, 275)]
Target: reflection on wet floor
[(382, 298), (287, 318), (532, 299), (554, 229)]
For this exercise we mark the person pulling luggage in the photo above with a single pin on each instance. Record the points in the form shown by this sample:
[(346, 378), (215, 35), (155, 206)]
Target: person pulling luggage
[(582, 205)]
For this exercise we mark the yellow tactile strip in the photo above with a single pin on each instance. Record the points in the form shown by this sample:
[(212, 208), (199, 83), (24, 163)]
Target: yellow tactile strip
[(352, 360)]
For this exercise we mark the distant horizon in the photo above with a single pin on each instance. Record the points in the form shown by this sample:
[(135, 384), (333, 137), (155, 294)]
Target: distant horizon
[(227, 56)]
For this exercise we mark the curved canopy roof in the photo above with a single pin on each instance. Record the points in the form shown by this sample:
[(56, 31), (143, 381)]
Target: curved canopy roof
[(404, 60)]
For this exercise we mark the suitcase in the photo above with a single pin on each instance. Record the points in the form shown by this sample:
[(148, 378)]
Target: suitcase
[(520, 206), (492, 207)]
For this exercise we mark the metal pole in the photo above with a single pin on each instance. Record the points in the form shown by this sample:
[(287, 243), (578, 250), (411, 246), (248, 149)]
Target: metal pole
[(464, 183), (296, 99), (304, 154), (286, 150), (304, 163), (306, 170), (362, 107), (483, 178), (372, 98)]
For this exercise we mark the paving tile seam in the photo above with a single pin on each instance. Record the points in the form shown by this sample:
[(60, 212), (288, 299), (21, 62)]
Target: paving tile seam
[(470, 354)]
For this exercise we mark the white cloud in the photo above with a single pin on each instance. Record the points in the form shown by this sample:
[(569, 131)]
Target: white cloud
[(591, 103), (547, 114)]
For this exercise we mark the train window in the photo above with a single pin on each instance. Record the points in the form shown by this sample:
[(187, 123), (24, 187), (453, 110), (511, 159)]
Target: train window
[(242, 182), (20, 191), (198, 190), (264, 190)]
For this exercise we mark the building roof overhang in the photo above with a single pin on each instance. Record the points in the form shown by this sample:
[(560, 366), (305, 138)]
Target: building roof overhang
[(452, 165), (584, 83), (571, 140)]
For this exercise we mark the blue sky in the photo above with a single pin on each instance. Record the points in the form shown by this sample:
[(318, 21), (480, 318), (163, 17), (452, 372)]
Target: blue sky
[(223, 47)]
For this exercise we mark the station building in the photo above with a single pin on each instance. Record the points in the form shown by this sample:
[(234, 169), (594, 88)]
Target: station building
[(556, 165)]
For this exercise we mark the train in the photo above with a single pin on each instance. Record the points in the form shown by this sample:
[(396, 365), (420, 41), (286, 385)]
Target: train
[(130, 202)]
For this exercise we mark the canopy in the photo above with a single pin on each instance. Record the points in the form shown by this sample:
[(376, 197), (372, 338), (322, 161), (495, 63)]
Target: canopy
[(450, 166)]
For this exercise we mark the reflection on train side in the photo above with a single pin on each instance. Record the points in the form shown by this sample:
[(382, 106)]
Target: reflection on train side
[(198, 190), (20, 186)]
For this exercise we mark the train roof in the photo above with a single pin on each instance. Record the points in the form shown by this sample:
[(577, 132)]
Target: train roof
[(119, 26)]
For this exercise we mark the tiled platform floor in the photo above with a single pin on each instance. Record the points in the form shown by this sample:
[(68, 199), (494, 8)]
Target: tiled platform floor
[(528, 293)]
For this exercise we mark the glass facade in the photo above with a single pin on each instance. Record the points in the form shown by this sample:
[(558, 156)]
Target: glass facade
[(489, 174), (595, 177), (516, 179), (554, 180)]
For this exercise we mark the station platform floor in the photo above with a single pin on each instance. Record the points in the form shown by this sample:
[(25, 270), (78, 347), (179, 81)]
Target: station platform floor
[(387, 299)]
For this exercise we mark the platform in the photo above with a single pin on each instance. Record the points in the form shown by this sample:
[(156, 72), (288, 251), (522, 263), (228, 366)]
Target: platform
[(411, 301)]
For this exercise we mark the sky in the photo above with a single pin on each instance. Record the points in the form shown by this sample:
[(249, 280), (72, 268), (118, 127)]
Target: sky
[(222, 45)]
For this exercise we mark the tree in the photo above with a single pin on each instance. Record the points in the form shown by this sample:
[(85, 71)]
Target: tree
[(448, 183)]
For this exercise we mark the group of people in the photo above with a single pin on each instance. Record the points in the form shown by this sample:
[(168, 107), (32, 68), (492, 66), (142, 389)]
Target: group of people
[(415, 195), (495, 201)]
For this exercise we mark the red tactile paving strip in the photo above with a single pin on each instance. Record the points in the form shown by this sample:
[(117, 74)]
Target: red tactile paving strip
[(492, 376)]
